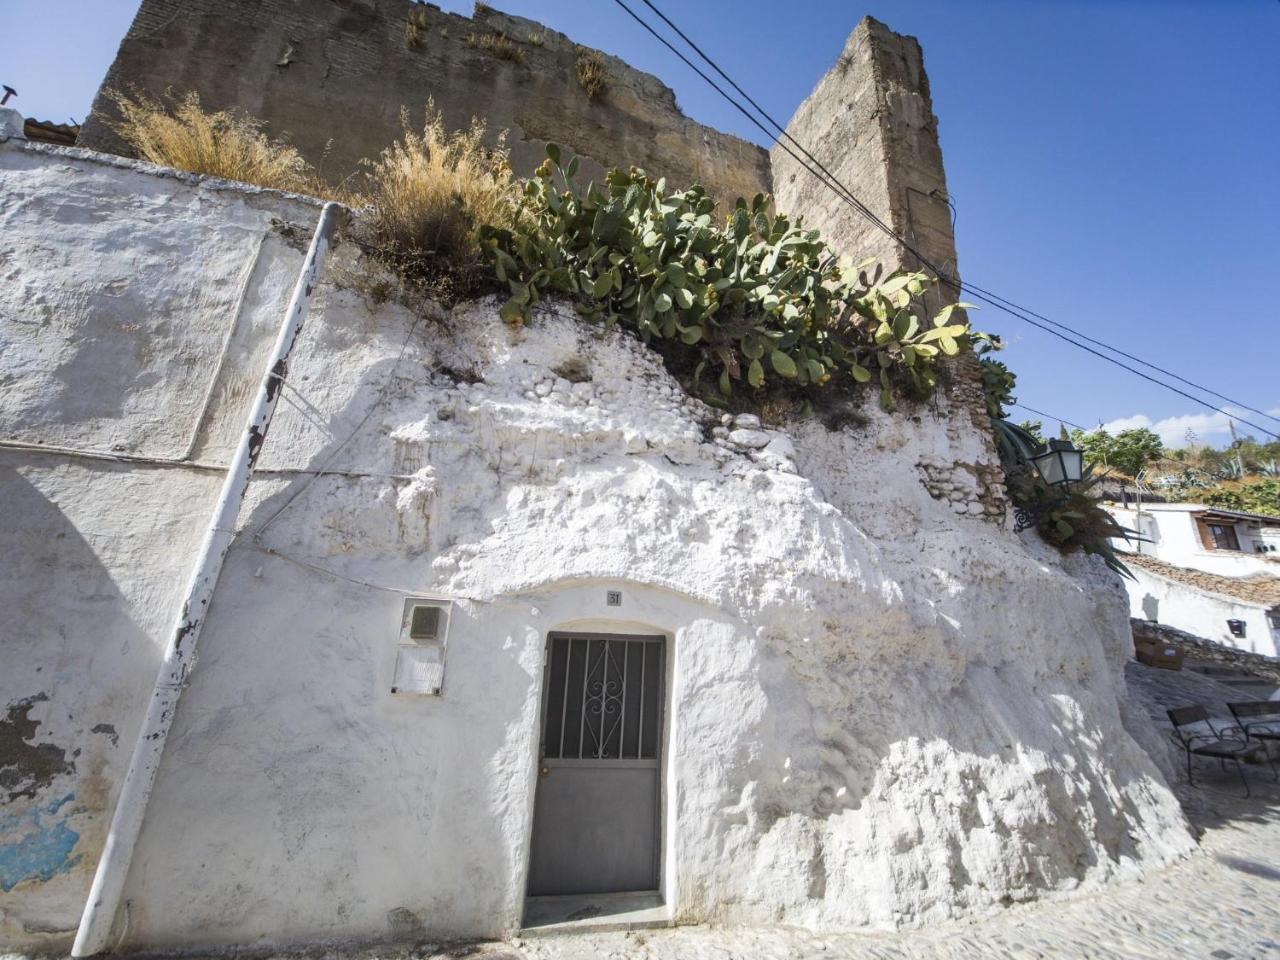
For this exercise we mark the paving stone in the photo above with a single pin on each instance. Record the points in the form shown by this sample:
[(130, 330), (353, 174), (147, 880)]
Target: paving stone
[(1223, 901)]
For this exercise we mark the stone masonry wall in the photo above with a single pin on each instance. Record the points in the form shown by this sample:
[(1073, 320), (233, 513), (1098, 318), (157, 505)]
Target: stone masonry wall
[(333, 75), (1203, 649), (870, 122)]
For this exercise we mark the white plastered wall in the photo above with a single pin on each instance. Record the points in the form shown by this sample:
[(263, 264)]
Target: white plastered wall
[(1175, 539), (121, 293), (884, 711), (1152, 597)]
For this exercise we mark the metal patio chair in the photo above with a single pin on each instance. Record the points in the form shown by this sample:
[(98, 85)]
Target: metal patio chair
[(1223, 744), (1259, 720)]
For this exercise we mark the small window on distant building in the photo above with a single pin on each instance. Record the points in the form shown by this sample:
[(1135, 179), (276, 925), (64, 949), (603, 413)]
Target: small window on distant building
[(1224, 537)]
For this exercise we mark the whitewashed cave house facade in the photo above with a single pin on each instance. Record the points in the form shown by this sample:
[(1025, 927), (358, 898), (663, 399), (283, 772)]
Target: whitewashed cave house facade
[(506, 614)]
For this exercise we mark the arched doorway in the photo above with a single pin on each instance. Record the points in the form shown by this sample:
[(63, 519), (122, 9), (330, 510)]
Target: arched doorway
[(597, 821)]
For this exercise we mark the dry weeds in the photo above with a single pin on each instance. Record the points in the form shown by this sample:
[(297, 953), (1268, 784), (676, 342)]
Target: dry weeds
[(498, 44), (591, 74), (421, 201), (178, 132), (418, 205), (415, 29)]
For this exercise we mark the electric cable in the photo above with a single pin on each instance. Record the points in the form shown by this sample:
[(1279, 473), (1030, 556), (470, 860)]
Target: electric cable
[(782, 131), (1130, 356), (844, 193), (1046, 416)]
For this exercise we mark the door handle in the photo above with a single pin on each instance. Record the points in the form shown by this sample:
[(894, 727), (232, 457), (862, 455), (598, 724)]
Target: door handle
[(544, 772)]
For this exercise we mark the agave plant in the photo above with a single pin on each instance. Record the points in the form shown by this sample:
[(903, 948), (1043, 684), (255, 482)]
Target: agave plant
[(1073, 520), (1229, 470), (1069, 520), (1015, 444)]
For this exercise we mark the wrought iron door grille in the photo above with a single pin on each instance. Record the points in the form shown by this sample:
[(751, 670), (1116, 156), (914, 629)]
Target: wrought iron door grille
[(603, 698)]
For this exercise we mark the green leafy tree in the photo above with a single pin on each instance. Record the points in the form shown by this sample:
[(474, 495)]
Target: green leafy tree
[(1128, 451), (1134, 449), (1035, 428), (1098, 445)]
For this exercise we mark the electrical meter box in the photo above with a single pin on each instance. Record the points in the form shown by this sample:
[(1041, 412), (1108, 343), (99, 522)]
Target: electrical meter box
[(420, 653)]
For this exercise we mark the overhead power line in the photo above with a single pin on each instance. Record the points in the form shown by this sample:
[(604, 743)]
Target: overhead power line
[(1047, 416), (845, 194), (1130, 356), (1164, 452)]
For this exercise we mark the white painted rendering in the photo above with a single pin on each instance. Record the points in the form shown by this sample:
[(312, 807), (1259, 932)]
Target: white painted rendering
[(883, 710), (120, 292), (1198, 612), (1171, 530), (1172, 537)]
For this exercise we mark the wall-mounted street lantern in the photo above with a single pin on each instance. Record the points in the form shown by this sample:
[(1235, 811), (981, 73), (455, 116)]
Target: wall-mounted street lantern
[(1060, 463)]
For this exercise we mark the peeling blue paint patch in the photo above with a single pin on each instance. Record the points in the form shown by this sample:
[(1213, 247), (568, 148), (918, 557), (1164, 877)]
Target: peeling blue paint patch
[(35, 846)]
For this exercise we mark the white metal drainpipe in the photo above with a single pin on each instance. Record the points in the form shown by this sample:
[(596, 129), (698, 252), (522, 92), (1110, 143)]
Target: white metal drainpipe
[(100, 910)]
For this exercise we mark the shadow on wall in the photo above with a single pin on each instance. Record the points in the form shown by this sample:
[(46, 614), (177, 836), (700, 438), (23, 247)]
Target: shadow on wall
[(67, 635), (289, 726), (1151, 608)]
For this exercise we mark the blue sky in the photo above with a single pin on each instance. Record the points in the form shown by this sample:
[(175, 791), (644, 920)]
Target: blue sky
[(1113, 162)]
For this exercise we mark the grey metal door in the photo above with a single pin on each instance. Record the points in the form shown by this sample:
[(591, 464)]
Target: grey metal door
[(596, 818)]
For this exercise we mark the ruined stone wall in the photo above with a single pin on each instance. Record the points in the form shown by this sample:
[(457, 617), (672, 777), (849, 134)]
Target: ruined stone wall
[(870, 123), (333, 75)]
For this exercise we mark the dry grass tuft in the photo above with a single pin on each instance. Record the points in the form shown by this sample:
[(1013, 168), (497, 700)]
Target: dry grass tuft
[(591, 74), (415, 29), (180, 133), (423, 199), (419, 203), (498, 44)]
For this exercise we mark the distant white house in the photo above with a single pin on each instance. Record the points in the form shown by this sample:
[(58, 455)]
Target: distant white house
[(1214, 573), (1228, 542)]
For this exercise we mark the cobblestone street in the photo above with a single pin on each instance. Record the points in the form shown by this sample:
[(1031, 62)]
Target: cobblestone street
[(1223, 902)]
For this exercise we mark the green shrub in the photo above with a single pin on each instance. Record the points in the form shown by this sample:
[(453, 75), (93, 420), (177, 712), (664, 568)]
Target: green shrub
[(1262, 496), (759, 301), (1073, 519)]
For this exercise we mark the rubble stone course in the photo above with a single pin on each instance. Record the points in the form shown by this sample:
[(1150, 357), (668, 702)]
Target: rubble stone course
[(1198, 648)]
